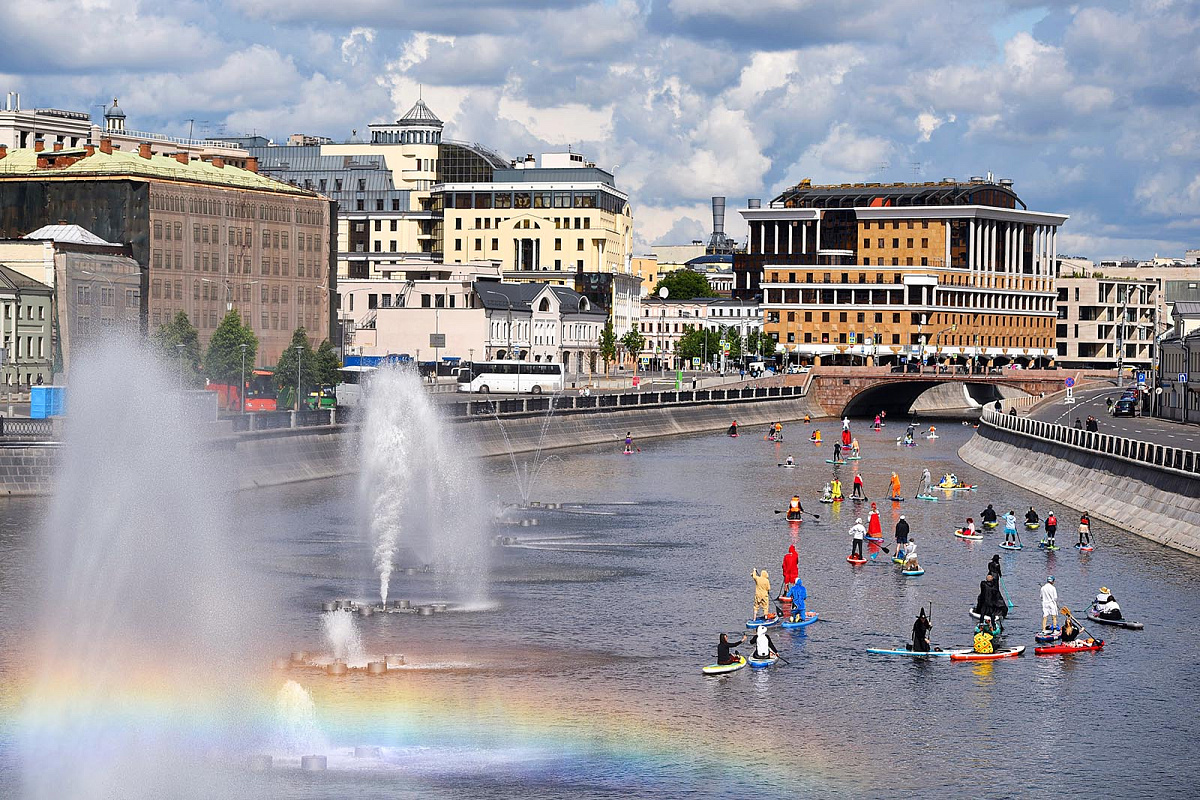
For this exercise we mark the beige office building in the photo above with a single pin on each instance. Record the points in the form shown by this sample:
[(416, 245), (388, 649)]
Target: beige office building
[(1103, 322)]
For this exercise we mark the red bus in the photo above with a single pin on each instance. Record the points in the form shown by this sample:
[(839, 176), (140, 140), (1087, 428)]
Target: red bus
[(260, 392)]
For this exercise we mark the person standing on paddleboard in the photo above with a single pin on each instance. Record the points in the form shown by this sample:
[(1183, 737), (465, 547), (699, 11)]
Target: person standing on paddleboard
[(994, 568), (1010, 527), (874, 526), (1049, 603), (858, 491), (846, 438), (1051, 527), (725, 648), (837, 451), (628, 442), (926, 482), (845, 423), (1085, 531), (835, 487), (895, 486), (854, 451), (791, 567), (857, 532), (902, 531), (762, 591), (920, 633)]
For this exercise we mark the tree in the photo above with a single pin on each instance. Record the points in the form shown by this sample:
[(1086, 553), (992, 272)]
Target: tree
[(185, 360), (223, 361), (608, 344), (285, 370), (684, 284), (760, 343), (634, 343), (697, 343), (327, 365)]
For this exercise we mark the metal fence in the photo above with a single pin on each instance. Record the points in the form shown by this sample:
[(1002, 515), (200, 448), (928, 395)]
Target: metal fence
[(1173, 459), (26, 430), (611, 402)]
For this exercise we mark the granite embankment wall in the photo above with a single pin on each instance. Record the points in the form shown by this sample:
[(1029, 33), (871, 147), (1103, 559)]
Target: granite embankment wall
[(292, 455), (1103, 476)]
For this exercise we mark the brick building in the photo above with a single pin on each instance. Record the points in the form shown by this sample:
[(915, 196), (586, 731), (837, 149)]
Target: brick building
[(209, 237)]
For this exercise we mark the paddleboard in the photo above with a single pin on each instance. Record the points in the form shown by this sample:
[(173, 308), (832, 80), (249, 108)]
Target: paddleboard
[(1007, 546), (991, 526), (809, 620), (1116, 623), (927, 497), (974, 537), (766, 623), (1032, 526), (874, 538), (975, 615), (854, 458), (1004, 652), (1084, 548), (788, 466), (721, 669), (854, 560), (733, 436), (832, 499), (794, 516), (964, 488), (896, 499), (932, 436), (1058, 649), (1046, 636), (831, 461), (761, 663), (896, 560), (880, 651), (627, 453), (913, 572), (1042, 544)]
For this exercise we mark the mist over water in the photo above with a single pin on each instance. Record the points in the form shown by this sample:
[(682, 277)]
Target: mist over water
[(345, 642), (420, 489), (142, 597)]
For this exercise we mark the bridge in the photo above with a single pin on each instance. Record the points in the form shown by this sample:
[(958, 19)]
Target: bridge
[(863, 391)]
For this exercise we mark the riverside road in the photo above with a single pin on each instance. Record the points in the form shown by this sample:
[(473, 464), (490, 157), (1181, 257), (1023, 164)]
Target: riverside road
[(1091, 402)]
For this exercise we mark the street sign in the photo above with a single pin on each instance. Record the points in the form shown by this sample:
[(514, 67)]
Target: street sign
[(696, 362), (1183, 377), (437, 340), (1141, 377), (1069, 382), (853, 338)]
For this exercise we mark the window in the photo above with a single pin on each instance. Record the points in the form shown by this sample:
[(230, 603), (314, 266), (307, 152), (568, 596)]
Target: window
[(842, 317), (909, 241), (808, 316), (495, 244), (196, 233), (158, 229), (824, 316), (558, 244), (925, 242), (866, 244), (579, 246), (896, 243)]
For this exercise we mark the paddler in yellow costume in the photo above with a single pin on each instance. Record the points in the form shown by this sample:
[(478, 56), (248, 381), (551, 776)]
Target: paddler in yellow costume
[(762, 591), (835, 487), (816, 437)]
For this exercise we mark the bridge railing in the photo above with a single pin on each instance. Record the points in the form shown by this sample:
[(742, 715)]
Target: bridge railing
[(1162, 457), (616, 402)]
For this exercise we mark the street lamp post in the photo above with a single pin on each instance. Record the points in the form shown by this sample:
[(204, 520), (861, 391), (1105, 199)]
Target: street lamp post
[(242, 388), (299, 352)]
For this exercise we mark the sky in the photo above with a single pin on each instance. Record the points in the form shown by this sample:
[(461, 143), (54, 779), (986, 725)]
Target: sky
[(1092, 108)]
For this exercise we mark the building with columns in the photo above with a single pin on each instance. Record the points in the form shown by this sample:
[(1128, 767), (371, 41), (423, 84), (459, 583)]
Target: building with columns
[(863, 273)]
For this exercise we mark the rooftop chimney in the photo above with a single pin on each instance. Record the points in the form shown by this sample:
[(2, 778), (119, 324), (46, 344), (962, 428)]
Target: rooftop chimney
[(218, 162), (57, 146), (754, 202), (106, 145), (3, 150), (181, 157), (89, 150), (38, 145), (144, 150), (252, 164)]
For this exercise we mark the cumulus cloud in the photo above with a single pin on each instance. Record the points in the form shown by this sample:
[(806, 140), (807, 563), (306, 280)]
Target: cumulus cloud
[(1090, 106)]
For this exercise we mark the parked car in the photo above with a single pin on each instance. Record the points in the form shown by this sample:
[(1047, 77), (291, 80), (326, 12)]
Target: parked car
[(1125, 408)]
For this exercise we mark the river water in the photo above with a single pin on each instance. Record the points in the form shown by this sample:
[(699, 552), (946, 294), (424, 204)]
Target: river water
[(581, 676)]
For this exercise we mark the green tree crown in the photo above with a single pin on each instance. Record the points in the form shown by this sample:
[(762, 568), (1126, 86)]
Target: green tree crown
[(285, 370), (223, 362), (684, 284), (186, 360)]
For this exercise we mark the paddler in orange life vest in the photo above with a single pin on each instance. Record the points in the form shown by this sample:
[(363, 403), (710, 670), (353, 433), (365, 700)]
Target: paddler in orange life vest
[(794, 508), (895, 485)]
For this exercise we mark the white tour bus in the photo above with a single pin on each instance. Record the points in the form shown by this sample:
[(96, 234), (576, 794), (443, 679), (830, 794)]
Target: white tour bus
[(351, 382), (510, 376)]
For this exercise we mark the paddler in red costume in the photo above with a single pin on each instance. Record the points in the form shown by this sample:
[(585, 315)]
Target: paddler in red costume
[(791, 568), (874, 528)]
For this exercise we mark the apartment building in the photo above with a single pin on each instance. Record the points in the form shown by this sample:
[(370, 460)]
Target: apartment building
[(26, 323), (209, 237), (1106, 322), (387, 214), (875, 273), (665, 321)]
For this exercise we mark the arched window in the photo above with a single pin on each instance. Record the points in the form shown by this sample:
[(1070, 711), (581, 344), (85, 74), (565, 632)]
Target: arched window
[(544, 305)]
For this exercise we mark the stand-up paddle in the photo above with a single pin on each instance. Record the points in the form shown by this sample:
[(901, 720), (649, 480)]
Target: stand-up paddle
[(810, 513)]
